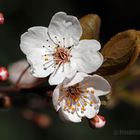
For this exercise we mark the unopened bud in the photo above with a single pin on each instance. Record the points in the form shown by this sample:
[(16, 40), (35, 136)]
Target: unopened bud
[(1, 19), (3, 74), (97, 122)]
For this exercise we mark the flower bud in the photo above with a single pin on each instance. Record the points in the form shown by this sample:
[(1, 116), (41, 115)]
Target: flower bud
[(27, 80), (1, 19), (3, 74), (97, 122)]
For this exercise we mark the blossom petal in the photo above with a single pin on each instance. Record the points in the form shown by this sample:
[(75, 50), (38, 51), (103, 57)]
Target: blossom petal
[(38, 69), (61, 116), (101, 85), (76, 79), (90, 110), (70, 69), (94, 44), (55, 98), (57, 76), (64, 29), (35, 39), (86, 57)]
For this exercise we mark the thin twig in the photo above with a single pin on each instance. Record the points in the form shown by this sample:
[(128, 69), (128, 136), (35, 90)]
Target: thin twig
[(9, 89)]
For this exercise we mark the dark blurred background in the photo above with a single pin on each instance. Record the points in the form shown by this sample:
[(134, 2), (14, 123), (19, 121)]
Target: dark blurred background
[(116, 15)]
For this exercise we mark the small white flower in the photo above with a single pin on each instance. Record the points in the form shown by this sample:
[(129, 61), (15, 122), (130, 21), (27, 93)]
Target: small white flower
[(56, 50), (80, 97)]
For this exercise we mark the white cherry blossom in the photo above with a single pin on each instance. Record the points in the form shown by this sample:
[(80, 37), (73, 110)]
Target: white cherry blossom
[(80, 97), (58, 51)]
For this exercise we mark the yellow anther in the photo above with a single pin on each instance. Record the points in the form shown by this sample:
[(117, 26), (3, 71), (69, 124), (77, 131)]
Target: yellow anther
[(78, 104), (85, 104), (68, 102), (65, 107), (92, 91), (86, 91), (76, 100), (91, 102), (83, 109), (85, 97), (46, 59), (72, 108)]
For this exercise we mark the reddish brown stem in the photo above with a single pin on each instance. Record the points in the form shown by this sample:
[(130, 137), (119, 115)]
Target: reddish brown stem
[(9, 89)]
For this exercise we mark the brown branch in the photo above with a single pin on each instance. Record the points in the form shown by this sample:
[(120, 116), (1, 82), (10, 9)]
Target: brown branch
[(9, 89)]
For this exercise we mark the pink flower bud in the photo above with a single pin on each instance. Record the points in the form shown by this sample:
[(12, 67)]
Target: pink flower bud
[(3, 74), (1, 18), (97, 122)]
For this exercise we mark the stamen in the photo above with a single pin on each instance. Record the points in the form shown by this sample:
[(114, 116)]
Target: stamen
[(56, 69), (85, 104), (92, 91), (62, 54), (68, 102), (83, 108), (58, 41), (85, 97), (75, 99), (86, 91), (91, 103), (48, 62), (48, 48), (45, 68), (78, 104)]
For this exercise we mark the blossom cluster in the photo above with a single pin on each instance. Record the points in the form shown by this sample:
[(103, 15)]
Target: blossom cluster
[(58, 52)]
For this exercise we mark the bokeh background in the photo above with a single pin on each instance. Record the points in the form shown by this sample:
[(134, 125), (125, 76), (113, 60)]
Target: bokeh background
[(116, 15)]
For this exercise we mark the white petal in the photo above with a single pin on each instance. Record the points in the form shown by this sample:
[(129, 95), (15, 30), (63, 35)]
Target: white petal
[(55, 97), (57, 76), (90, 110), (76, 79), (87, 58), (70, 69), (36, 61), (66, 28), (94, 44), (35, 39), (61, 116), (101, 85), (98, 84)]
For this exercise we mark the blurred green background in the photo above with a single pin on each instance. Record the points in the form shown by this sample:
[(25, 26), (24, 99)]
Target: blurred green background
[(116, 15)]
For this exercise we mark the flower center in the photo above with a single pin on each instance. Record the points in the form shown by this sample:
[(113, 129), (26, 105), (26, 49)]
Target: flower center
[(76, 97), (62, 55), (73, 92)]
